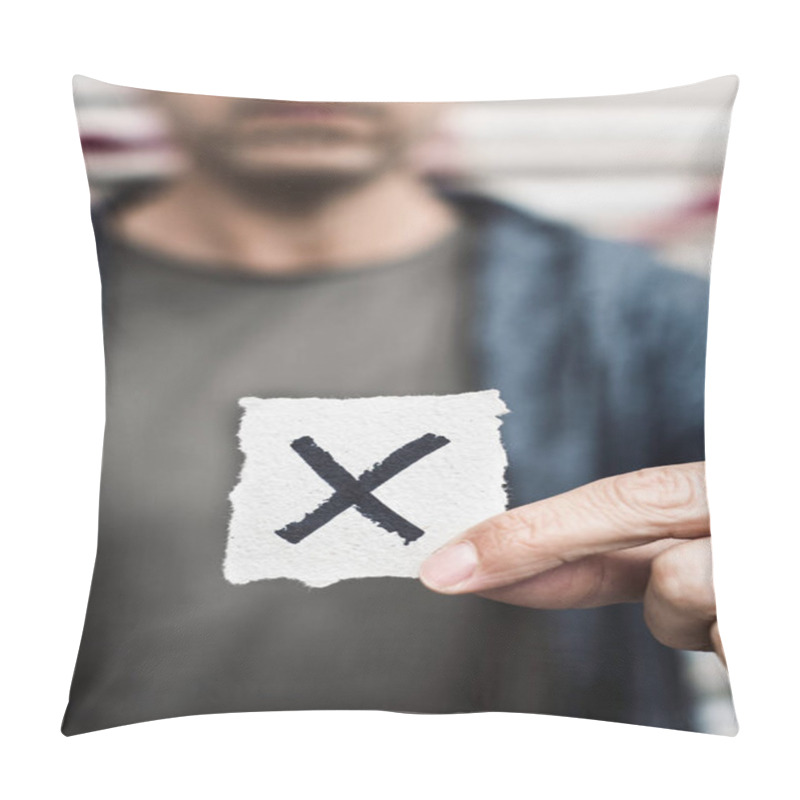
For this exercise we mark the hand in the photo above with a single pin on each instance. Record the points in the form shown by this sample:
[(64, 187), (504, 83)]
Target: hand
[(640, 536)]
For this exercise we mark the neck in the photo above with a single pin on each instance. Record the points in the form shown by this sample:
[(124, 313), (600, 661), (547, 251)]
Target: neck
[(195, 218)]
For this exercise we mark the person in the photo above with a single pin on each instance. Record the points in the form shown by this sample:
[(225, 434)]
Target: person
[(297, 252)]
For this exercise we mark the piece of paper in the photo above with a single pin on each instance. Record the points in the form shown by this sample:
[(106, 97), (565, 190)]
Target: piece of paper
[(363, 487)]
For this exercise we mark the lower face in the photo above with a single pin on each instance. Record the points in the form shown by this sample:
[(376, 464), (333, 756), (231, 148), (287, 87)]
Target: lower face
[(282, 138)]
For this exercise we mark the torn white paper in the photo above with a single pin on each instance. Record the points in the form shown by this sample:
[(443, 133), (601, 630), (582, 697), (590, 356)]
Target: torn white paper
[(364, 487)]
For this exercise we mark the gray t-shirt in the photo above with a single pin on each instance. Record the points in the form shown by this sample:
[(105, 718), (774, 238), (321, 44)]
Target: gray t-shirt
[(165, 634)]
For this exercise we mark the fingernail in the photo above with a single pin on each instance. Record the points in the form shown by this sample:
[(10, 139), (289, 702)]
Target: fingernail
[(449, 566)]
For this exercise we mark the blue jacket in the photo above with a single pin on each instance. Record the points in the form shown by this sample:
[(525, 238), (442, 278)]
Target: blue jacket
[(599, 352)]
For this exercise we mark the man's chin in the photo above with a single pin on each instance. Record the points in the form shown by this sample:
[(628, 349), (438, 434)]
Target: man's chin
[(300, 186)]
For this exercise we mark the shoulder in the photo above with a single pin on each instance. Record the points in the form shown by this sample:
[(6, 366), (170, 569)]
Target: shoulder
[(627, 284), (620, 288)]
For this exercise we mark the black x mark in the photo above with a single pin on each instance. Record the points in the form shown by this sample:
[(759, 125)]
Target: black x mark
[(357, 492)]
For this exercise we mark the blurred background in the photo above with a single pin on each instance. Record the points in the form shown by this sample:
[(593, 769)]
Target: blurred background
[(641, 167)]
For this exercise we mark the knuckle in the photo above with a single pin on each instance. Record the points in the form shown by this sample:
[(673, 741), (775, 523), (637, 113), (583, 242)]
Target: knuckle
[(676, 637), (662, 633), (492, 537), (523, 531), (681, 584), (663, 494), (515, 520), (509, 524)]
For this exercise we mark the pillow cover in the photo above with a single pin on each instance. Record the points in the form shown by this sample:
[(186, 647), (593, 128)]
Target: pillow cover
[(404, 406)]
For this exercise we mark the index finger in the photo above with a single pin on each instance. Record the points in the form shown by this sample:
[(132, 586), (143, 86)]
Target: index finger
[(614, 513)]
